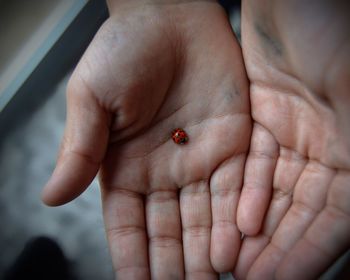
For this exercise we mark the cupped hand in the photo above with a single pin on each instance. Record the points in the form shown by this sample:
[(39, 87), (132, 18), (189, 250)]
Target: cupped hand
[(169, 209), (294, 208)]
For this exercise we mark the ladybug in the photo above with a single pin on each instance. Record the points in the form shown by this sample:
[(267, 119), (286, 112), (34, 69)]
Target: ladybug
[(179, 136)]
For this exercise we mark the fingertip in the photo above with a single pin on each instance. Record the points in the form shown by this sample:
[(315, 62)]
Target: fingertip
[(249, 229), (52, 196), (258, 181), (70, 178), (47, 198), (248, 223)]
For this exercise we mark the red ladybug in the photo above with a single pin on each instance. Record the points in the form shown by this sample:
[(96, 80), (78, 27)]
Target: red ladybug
[(179, 136)]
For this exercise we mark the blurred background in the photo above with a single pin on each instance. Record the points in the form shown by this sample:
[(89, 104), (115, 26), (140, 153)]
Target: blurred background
[(41, 42)]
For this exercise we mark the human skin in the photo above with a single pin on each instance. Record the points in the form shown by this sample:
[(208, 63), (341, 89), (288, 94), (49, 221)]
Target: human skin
[(169, 210), (295, 204)]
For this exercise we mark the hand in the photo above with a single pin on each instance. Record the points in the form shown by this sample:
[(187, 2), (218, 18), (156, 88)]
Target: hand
[(169, 209), (294, 208)]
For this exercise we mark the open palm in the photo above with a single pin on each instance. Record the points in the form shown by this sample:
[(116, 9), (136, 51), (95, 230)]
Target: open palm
[(169, 209), (294, 208)]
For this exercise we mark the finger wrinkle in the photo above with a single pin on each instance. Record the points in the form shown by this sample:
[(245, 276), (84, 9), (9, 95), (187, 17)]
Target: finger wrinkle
[(126, 230), (163, 241), (337, 212), (123, 191), (197, 230), (225, 223), (196, 187), (226, 161), (81, 154), (301, 209), (276, 247), (162, 196), (252, 186), (280, 194), (291, 155), (223, 193), (256, 154), (312, 244)]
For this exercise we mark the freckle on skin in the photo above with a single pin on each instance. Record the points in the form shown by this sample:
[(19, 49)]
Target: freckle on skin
[(229, 96)]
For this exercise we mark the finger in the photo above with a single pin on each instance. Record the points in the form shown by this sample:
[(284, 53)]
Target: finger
[(165, 237), (288, 170), (225, 184), (82, 149), (250, 249), (258, 176), (289, 167), (325, 240), (196, 227), (309, 198), (126, 232)]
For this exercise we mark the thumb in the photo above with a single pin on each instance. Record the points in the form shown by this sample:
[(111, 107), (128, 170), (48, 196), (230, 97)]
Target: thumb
[(83, 146)]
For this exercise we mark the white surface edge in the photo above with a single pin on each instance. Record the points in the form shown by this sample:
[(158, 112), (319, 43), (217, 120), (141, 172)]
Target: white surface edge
[(40, 53)]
